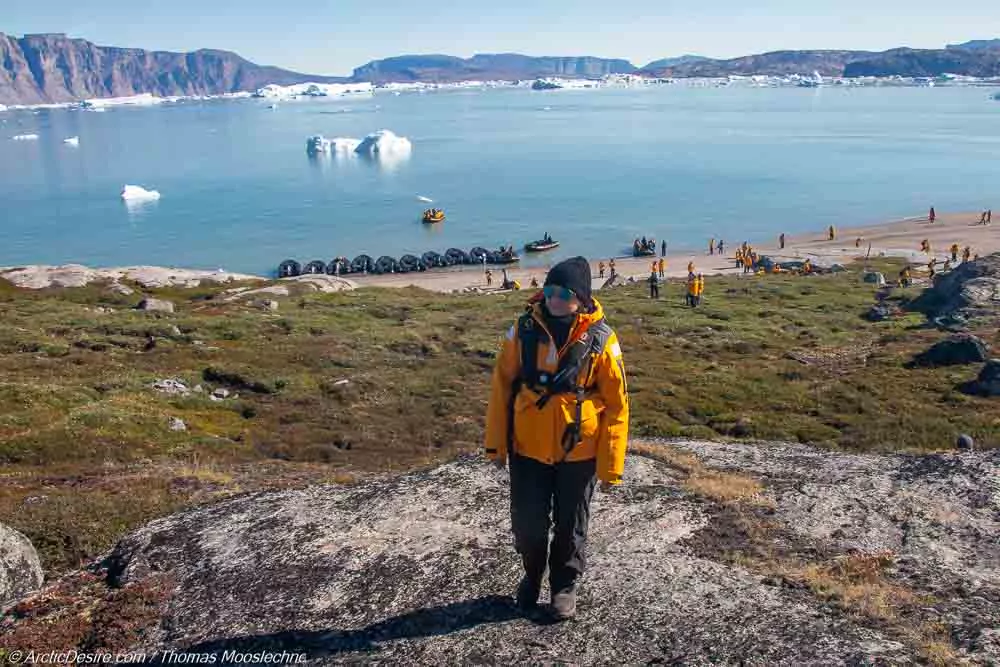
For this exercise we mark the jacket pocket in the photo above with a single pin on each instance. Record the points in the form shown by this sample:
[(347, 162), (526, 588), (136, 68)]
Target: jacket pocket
[(532, 427)]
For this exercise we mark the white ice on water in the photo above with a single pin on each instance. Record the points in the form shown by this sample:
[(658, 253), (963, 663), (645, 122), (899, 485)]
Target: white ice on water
[(275, 91), (425, 199), (72, 141), (25, 137), (384, 146), (139, 193)]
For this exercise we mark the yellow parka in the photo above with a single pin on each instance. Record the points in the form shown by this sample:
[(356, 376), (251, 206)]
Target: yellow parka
[(538, 432)]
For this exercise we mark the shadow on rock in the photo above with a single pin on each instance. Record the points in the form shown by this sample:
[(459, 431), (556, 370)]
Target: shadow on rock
[(428, 622)]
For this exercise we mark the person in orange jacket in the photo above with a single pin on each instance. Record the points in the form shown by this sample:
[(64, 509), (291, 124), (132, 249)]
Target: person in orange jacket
[(558, 414), (662, 266)]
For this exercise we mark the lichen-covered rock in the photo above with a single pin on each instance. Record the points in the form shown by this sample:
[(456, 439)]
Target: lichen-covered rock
[(988, 381), (418, 569), (20, 569)]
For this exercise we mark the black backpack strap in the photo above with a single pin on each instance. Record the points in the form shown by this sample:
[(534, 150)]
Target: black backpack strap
[(598, 335)]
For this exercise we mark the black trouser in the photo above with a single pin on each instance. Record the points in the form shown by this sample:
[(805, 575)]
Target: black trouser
[(564, 491), (654, 291)]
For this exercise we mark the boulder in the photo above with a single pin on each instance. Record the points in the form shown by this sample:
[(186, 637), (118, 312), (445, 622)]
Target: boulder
[(171, 386), (875, 277), (956, 349), (176, 424), (879, 312), (268, 304), (20, 569), (158, 305), (117, 288), (988, 381), (965, 442), (972, 289)]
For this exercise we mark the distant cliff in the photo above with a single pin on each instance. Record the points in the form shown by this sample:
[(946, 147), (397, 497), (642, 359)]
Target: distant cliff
[(486, 66), (971, 59), (827, 63), (39, 69), (982, 62)]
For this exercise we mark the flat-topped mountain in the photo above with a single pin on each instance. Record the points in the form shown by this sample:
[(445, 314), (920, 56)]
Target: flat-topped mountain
[(487, 66)]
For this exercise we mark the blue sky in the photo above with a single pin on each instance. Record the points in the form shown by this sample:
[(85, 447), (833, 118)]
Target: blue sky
[(334, 36)]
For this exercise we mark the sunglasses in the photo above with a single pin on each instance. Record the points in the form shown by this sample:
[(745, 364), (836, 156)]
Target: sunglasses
[(557, 292)]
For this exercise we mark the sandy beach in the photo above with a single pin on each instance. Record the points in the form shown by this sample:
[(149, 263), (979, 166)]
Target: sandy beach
[(899, 238)]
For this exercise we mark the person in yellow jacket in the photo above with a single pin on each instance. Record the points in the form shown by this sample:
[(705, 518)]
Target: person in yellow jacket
[(954, 252), (699, 288), (558, 414), (662, 267)]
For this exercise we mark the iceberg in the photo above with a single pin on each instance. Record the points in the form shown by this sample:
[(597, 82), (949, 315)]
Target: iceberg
[(143, 100), (25, 137), (425, 199), (384, 143), (136, 193), (3, 107), (384, 146), (340, 146), (72, 141), (274, 91)]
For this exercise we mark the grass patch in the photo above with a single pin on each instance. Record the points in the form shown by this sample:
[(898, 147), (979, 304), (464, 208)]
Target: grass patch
[(378, 380)]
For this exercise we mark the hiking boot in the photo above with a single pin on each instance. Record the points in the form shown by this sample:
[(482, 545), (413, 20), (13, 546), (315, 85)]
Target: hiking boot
[(564, 603), (527, 594)]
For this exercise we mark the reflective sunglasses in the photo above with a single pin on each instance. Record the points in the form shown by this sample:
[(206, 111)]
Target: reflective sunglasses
[(557, 292)]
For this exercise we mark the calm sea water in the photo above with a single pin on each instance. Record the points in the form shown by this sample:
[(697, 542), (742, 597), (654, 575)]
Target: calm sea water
[(593, 168)]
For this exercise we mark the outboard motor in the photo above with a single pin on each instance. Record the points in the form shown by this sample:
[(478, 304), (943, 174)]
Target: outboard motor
[(317, 266), (362, 264)]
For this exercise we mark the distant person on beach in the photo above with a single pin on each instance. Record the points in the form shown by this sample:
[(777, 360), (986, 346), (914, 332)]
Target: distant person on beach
[(954, 252), (857, 242), (663, 248), (691, 289), (654, 285), (489, 277), (534, 282), (807, 267), (904, 277), (982, 218), (662, 266), (711, 246), (611, 267), (554, 465), (966, 253), (925, 246), (722, 247), (653, 266), (947, 266), (931, 265), (932, 216), (781, 241), (832, 232), (690, 267), (699, 289), (989, 216), (600, 269)]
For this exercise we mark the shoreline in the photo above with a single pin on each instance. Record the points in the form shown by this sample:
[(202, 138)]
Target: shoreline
[(898, 238)]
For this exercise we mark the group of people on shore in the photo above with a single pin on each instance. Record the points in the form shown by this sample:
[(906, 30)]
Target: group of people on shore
[(695, 283)]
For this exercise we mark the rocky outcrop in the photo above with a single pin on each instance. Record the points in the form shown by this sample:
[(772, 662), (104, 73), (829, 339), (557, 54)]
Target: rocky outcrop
[(150, 277), (418, 568), (827, 63), (987, 383), (51, 68), (20, 569), (487, 66), (970, 290)]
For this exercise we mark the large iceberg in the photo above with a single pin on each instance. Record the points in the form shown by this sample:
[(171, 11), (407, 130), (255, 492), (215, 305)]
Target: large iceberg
[(275, 91), (136, 193), (142, 100), (25, 137), (384, 146)]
